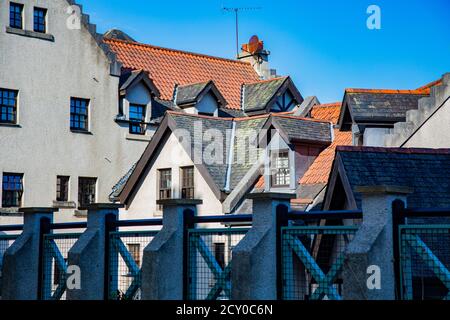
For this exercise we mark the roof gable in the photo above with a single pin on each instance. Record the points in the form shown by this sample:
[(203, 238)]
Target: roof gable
[(193, 93), (129, 79)]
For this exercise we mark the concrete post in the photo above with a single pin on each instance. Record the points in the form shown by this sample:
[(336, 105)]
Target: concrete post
[(255, 273), (22, 260), (373, 245), (89, 253), (165, 258)]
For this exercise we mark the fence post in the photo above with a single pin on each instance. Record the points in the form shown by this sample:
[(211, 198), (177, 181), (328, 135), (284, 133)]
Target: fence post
[(90, 253), (164, 265), (256, 266), (373, 246), (22, 261)]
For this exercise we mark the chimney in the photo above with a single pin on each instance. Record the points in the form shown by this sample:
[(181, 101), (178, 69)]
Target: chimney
[(254, 53)]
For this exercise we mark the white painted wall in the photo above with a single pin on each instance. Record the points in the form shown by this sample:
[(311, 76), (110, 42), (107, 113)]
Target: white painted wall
[(374, 137), (173, 156), (435, 133), (47, 74), (208, 104)]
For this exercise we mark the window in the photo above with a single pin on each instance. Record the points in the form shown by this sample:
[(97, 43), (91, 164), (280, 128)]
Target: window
[(280, 166), (135, 250), (86, 192), (187, 183), (79, 114), (12, 190), (284, 102), (15, 15), (39, 20), (219, 254), (137, 119), (62, 188), (8, 106), (165, 184)]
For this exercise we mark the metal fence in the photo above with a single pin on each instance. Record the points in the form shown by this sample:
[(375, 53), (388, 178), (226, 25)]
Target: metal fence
[(126, 251), (54, 270), (425, 262), (312, 260), (210, 257)]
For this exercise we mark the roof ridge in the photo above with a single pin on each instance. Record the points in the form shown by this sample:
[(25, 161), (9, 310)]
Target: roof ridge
[(298, 118), (431, 84), (267, 80), (392, 150), (326, 105), (388, 91), (150, 46)]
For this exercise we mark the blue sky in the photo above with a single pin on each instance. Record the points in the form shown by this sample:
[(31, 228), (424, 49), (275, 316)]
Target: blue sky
[(324, 45)]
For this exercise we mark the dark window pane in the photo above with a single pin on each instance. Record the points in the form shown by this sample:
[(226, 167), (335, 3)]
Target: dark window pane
[(137, 119), (219, 254), (79, 114), (165, 184), (62, 188), (15, 15), (187, 183), (39, 20), (8, 106), (86, 192), (281, 171), (12, 184)]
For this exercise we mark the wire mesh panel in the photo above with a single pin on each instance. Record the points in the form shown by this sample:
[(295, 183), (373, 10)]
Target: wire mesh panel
[(312, 260), (5, 242), (126, 251), (209, 265), (425, 262), (54, 271)]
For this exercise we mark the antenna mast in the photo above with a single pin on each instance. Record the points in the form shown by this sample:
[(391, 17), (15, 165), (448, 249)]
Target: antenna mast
[(236, 13)]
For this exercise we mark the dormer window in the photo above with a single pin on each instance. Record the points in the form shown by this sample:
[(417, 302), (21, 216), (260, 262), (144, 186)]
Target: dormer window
[(281, 175), (137, 118), (16, 15), (284, 102)]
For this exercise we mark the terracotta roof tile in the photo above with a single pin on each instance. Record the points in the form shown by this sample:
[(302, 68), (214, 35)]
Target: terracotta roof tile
[(321, 168), (328, 112), (168, 67)]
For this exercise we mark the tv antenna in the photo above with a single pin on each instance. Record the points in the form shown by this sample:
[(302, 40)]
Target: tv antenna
[(236, 11)]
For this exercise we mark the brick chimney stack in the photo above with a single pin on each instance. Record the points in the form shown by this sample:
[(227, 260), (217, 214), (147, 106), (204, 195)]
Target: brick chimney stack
[(254, 53)]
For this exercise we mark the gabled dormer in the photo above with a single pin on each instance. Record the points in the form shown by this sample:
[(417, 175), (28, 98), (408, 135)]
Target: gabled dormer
[(275, 95), (199, 98)]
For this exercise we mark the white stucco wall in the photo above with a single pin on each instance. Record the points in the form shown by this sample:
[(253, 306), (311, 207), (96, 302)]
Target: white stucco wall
[(374, 137), (208, 104), (171, 156), (435, 133), (47, 74)]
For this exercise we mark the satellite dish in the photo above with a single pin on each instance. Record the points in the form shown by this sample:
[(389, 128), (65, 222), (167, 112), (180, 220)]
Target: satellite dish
[(254, 45)]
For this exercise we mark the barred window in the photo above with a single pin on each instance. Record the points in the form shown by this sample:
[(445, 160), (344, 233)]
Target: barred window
[(137, 119), (86, 192), (187, 183), (12, 190), (62, 188), (39, 20), (79, 114), (8, 106), (15, 15), (281, 176)]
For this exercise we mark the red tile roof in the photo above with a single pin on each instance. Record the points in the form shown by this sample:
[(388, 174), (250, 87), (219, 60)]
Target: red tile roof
[(329, 112), (168, 67), (321, 168)]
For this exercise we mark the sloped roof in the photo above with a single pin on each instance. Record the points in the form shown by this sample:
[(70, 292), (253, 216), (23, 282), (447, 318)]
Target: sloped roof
[(258, 95), (425, 171), (169, 67), (216, 173), (329, 112), (192, 93)]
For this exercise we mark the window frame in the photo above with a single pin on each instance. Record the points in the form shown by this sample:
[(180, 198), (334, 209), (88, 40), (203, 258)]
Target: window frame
[(74, 112), (166, 190), (187, 190), (136, 123), (58, 188), (82, 205), (276, 171), (20, 191), (13, 108), (13, 21), (39, 23)]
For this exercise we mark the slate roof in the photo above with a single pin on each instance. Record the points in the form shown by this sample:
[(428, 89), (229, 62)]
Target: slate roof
[(426, 171), (257, 95), (169, 67), (188, 94), (247, 129), (382, 105)]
